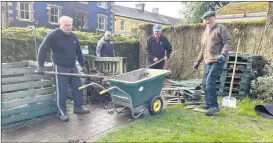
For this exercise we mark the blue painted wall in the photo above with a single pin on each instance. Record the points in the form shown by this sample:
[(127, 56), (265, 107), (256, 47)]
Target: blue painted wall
[(41, 16)]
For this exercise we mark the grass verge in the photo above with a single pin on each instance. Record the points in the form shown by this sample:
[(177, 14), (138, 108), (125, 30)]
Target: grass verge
[(176, 124)]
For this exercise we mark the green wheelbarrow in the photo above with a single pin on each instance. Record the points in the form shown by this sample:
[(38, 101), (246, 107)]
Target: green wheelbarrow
[(138, 90)]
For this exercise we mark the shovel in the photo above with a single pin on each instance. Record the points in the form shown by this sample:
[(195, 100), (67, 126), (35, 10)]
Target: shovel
[(229, 101)]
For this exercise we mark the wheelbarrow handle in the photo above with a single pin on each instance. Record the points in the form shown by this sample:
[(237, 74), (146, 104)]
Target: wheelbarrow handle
[(93, 83), (106, 90), (111, 88)]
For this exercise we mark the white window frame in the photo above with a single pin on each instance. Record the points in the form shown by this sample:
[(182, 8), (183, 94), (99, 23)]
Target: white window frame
[(83, 2), (30, 11), (105, 22), (50, 14), (102, 6), (123, 30)]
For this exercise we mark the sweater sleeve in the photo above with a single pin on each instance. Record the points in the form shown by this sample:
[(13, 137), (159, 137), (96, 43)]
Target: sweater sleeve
[(79, 54), (44, 47), (98, 48)]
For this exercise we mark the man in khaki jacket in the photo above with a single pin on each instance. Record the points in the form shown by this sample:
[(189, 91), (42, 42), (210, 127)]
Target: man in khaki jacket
[(215, 45)]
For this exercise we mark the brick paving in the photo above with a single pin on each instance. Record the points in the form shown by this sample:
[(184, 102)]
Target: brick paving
[(79, 128)]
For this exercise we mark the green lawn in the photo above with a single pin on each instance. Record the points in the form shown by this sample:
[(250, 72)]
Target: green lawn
[(176, 124)]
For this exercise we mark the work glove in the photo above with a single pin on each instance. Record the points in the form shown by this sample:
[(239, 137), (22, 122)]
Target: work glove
[(196, 65), (84, 70), (221, 58), (41, 70)]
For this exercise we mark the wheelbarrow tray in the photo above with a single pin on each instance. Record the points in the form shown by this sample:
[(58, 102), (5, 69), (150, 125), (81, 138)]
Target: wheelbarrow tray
[(135, 89)]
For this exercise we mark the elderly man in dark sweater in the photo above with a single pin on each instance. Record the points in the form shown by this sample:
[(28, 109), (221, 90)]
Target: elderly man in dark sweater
[(158, 47), (66, 50), (105, 46), (215, 46)]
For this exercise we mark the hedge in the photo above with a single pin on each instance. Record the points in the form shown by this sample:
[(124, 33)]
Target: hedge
[(18, 44)]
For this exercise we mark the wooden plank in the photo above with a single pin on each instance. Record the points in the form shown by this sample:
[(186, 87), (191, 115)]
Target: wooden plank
[(16, 103), (13, 71), (27, 93), (14, 65), (110, 67), (107, 67), (34, 84), (115, 67), (124, 65), (35, 64), (28, 108), (107, 59), (28, 115), (121, 66), (29, 77)]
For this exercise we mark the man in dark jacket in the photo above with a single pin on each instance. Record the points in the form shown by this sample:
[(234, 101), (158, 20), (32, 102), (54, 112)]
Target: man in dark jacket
[(158, 47), (105, 47), (65, 49), (215, 45)]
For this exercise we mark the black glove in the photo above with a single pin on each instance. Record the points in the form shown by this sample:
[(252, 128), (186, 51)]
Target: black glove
[(41, 70), (84, 70), (196, 65)]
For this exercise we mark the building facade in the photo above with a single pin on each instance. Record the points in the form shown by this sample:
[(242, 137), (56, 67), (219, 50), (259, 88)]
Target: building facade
[(127, 20), (88, 16)]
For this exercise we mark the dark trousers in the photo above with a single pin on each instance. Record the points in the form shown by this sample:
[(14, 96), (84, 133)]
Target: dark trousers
[(160, 65), (61, 82), (211, 74)]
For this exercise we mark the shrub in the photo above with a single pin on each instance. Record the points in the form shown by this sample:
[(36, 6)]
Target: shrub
[(262, 86)]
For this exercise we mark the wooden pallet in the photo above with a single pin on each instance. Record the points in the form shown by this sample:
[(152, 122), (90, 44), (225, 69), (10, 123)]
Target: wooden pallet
[(25, 95)]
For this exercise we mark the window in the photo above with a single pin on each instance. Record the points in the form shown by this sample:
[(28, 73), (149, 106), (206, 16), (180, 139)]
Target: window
[(101, 22), (102, 4), (24, 8), (80, 19), (122, 25), (54, 15)]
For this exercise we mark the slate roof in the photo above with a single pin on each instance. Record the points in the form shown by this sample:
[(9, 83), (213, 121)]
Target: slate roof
[(144, 15)]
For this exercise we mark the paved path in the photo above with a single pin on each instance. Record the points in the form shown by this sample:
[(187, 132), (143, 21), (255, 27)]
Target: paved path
[(79, 128)]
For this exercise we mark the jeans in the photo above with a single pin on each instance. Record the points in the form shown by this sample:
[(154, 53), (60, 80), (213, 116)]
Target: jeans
[(211, 74)]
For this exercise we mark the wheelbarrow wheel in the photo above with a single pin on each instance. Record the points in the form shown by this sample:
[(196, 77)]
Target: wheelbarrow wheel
[(156, 105)]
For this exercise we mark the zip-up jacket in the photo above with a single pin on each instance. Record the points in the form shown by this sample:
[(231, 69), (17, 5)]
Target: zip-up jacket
[(213, 43), (105, 48)]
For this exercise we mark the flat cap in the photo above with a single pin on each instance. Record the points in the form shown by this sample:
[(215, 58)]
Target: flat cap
[(157, 27), (208, 14)]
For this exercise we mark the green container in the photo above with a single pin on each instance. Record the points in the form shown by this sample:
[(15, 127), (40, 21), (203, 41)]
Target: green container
[(141, 91)]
